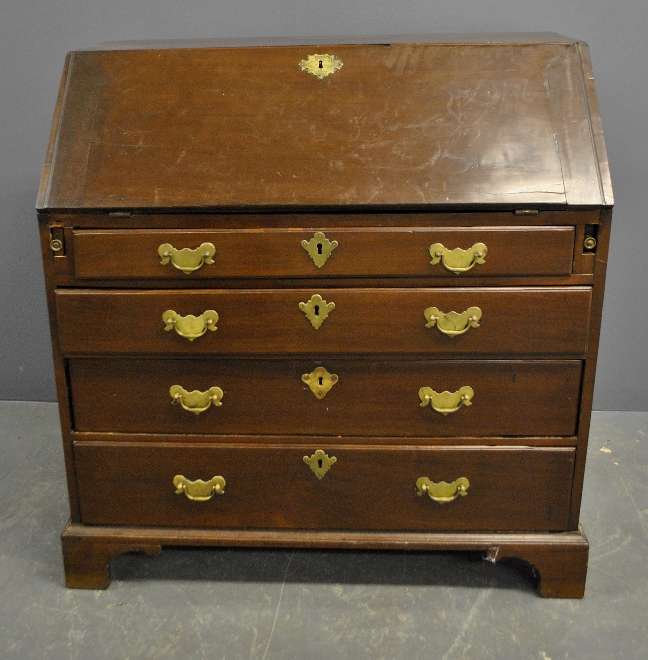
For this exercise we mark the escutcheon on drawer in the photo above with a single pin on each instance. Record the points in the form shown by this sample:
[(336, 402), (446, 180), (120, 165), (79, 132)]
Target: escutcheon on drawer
[(502, 321), (334, 252), (272, 487), (379, 398)]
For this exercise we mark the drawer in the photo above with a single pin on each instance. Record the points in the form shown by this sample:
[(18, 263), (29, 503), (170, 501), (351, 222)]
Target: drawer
[(378, 398), (512, 489), (549, 321), (278, 253)]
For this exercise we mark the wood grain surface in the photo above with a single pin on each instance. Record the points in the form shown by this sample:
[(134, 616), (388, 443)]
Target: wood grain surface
[(558, 560), (415, 140), (371, 397), (371, 252), (398, 125), (269, 487), (514, 321)]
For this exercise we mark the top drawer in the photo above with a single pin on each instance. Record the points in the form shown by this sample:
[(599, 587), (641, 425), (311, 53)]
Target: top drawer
[(288, 253)]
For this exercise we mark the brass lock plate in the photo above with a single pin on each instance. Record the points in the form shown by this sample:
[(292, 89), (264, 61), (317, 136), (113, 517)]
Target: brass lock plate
[(316, 310), (319, 248), (320, 381), (320, 462), (321, 66)]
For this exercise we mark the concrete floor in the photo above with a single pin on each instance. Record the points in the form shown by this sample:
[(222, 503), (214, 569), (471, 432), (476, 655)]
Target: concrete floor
[(279, 605)]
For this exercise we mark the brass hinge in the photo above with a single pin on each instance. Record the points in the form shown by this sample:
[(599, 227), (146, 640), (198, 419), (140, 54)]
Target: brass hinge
[(57, 241)]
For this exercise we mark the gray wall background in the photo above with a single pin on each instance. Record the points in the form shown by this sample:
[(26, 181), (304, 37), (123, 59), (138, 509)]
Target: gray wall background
[(35, 35)]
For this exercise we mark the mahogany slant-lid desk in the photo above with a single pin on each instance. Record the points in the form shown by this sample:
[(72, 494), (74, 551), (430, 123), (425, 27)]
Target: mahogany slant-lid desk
[(327, 295)]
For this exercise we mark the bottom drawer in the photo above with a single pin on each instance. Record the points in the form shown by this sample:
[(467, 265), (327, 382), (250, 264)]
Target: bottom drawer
[(366, 488)]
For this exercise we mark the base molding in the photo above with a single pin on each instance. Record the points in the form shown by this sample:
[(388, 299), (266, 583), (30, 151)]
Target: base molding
[(560, 559)]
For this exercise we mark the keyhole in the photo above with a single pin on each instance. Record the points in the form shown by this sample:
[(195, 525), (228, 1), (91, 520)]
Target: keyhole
[(321, 66), (321, 381), (319, 463), (319, 248), (316, 310)]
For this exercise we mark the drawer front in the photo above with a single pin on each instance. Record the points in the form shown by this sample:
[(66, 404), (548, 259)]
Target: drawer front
[(549, 321), (512, 489), (380, 398), (278, 253)]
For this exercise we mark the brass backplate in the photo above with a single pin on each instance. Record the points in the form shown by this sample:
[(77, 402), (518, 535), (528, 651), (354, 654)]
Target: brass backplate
[(186, 259), (452, 324), (443, 492), (320, 381), (320, 462), (458, 261), (196, 401), (320, 65), (199, 490), (190, 327), (446, 402), (316, 310)]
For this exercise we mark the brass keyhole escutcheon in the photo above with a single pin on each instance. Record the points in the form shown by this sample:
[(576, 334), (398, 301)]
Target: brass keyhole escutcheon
[(319, 248), (320, 462), (316, 310), (320, 381), (320, 65)]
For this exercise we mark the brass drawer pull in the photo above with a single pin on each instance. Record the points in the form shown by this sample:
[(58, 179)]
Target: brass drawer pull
[(458, 260), (452, 323), (196, 401), (446, 402), (316, 310), (320, 462), (186, 259), (199, 490), (443, 492), (319, 248), (190, 327)]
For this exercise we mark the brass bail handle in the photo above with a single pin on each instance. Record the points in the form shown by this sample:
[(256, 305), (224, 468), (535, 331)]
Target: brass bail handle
[(190, 327), (186, 259), (458, 261), (196, 402), (452, 324), (442, 492), (199, 490), (446, 402)]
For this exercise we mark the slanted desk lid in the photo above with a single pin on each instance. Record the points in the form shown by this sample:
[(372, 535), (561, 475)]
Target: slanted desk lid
[(421, 125)]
